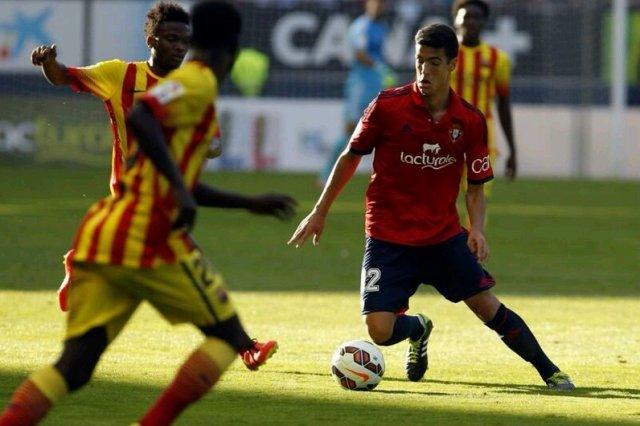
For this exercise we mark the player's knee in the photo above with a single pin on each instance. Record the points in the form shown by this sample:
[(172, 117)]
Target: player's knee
[(230, 331), (380, 331), (484, 305), (80, 357)]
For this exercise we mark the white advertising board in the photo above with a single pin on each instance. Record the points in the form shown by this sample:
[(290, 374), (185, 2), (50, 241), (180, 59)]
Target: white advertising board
[(278, 134), (297, 135), (27, 24)]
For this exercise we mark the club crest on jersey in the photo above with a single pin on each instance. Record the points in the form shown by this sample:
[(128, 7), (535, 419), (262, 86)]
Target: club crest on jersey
[(455, 132)]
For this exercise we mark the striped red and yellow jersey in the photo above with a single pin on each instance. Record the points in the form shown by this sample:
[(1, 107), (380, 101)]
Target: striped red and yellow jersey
[(133, 227), (482, 72), (118, 84)]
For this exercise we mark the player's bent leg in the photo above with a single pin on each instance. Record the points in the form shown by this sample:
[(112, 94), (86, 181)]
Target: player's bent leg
[(380, 327), (387, 328), (201, 371), (417, 362), (484, 304), (515, 333), (80, 357), (230, 331), (192, 291), (98, 312), (254, 354)]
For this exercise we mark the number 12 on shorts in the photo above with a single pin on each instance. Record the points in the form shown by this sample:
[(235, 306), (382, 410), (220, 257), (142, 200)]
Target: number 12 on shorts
[(369, 279)]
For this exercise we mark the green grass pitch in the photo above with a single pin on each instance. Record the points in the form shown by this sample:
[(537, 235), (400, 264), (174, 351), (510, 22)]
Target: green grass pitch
[(566, 255)]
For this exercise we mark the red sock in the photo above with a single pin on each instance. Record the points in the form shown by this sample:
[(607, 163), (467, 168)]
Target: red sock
[(194, 379), (27, 407)]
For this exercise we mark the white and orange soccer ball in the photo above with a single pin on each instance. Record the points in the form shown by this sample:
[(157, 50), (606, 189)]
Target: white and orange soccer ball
[(357, 365)]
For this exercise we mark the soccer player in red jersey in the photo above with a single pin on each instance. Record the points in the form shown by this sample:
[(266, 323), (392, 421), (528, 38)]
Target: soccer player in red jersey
[(134, 246), (423, 134), (118, 84)]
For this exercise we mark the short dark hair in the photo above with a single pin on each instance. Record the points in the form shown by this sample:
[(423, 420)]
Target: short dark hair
[(459, 4), (164, 11), (439, 36), (215, 25)]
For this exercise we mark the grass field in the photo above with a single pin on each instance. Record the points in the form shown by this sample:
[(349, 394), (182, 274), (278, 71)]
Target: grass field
[(566, 255)]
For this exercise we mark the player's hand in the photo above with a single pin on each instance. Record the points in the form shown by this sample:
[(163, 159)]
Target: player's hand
[(313, 224), (281, 206), (42, 54), (511, 167), (186, 210), (478, 245)]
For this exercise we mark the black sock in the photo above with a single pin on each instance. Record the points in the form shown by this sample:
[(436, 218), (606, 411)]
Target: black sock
[(405, 326), (516, 335)]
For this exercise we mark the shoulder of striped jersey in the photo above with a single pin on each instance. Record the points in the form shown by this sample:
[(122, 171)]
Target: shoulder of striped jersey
[(499, 51), (113, 63), (197, 83), (142, 64), (191, 74), (109, 68), (112, 71)]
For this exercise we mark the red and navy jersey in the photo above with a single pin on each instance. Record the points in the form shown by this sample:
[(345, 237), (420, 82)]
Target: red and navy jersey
[(418, 164)]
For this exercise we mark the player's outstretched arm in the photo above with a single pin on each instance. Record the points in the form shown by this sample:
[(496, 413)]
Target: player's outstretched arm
[(313, 224), (279, 205), (148, 132), (476, 208), (54, 71)]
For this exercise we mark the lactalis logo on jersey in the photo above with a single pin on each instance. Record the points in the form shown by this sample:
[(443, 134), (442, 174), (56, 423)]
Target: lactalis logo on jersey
[(430, 157)]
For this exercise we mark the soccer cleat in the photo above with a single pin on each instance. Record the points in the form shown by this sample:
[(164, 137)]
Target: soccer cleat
[(560, 381), (417, 360), (257, 355)]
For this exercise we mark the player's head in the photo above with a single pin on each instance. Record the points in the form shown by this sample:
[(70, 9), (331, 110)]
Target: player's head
[(167, 30), (216, 27), (470, 17), (374, 8), (436, 53)]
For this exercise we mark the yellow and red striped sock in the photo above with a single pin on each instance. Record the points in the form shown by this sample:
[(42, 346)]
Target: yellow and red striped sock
[(34, 398), (196, 376)]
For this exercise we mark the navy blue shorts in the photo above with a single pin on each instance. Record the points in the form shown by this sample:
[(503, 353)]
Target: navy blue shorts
[(391, 273)]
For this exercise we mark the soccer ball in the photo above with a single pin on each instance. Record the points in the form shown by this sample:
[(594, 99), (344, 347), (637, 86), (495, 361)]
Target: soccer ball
[(357, 365)]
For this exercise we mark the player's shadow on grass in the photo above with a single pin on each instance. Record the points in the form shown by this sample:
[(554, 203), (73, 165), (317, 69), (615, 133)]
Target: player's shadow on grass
[(409, 392), (579, 392), (113, 403), (378, 390)]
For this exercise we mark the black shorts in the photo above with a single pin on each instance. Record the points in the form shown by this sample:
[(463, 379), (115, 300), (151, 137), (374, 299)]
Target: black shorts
[(391, 273)]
